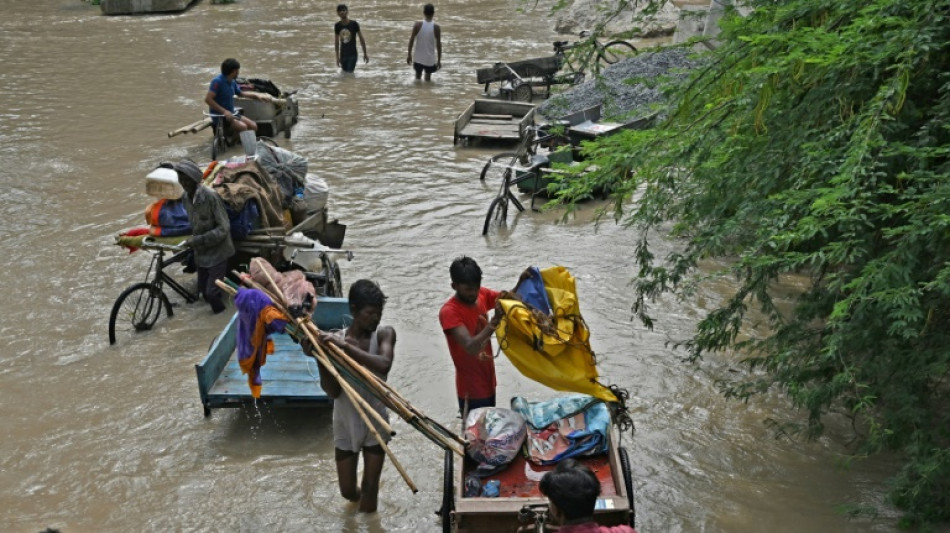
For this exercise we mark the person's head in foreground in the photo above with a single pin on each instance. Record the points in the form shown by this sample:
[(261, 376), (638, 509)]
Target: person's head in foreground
[(572, 490)]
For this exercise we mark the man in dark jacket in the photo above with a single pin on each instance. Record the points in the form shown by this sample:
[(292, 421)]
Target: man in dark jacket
[(211, 232)]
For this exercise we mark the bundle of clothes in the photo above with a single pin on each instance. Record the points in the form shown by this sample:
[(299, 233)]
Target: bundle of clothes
[(545, 432), (265, 192), (258, 318)]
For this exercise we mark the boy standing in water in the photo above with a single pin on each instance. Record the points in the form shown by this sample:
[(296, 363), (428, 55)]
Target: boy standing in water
[(468, 331), (427, 36), (346, 32)]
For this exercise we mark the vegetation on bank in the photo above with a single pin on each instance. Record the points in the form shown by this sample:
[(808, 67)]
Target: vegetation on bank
[(814, 141)]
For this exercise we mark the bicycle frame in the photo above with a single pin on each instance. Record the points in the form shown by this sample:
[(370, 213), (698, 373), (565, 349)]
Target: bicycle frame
[(160, 278), (579, 55)]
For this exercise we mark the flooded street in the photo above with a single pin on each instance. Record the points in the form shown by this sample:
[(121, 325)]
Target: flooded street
[(113, 438)]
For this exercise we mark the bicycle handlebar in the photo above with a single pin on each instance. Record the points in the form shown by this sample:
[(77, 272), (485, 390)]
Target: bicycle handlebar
[(149, 244)]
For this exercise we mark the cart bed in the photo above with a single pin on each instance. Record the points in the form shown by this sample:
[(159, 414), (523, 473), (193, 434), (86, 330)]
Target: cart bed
[(538, 67), (494, 120), (519, 487), (289, 377)]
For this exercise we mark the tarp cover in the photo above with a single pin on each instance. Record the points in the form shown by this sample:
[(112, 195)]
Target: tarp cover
[(554, 349), (286, 167)]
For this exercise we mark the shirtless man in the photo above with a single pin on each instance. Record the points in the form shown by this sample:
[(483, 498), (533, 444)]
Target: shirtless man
[(370, 345)]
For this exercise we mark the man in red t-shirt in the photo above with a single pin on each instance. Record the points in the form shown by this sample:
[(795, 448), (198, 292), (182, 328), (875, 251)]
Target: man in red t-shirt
[(464, 320)]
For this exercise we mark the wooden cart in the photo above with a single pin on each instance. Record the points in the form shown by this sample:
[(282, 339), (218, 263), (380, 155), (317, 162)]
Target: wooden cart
[(519, 80), (493, 120), (519, 493), (290, 378)]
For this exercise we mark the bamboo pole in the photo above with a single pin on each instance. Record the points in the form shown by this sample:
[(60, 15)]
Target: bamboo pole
[(407, 412), (359, 409), (354, 396), (194, 127), (408, 407), (402, 407)]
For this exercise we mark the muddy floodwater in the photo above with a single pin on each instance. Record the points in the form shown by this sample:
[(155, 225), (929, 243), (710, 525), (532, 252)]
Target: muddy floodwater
[(113, 438)]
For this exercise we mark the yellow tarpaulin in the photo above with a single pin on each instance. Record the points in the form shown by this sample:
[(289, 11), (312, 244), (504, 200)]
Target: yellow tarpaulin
[(554, 351)]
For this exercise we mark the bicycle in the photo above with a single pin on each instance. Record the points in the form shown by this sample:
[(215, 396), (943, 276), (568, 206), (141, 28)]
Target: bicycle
[(139, 307), (518, 167), (577, 56), (224, 135)]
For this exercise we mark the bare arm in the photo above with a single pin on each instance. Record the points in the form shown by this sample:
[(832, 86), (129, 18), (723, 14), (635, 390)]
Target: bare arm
[(474, 344), (438, 45), (336, 46), (363, 44), (378, 363), (412, 39), (209, 99)]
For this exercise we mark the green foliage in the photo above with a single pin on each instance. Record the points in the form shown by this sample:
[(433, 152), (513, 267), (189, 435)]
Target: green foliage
[(815, 143)]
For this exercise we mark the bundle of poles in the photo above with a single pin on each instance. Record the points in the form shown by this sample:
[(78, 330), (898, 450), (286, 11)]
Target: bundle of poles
[(347, 371)]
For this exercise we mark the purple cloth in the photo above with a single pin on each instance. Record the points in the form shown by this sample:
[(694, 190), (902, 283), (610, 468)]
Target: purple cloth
[(250, 303)]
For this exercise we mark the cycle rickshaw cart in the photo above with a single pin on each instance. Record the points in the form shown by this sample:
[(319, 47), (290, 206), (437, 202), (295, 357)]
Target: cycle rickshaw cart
[(312, 245), (519, 80), (560, 358)]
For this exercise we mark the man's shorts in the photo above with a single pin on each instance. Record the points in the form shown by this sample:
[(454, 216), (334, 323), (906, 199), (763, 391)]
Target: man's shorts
[(348, 64), (420, 68)]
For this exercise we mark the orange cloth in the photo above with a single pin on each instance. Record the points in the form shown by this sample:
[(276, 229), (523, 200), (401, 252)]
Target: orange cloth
[(261, 345)]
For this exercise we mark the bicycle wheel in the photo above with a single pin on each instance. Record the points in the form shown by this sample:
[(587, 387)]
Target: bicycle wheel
[(218, 143), (628, 484), (136, 309), (497, 213), (496, 166), (448, 498), (615, 51)]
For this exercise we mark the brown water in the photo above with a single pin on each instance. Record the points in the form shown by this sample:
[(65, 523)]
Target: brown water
[(101, 438)]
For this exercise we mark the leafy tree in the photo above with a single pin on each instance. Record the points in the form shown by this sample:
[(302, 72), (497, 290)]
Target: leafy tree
[(814, 143)]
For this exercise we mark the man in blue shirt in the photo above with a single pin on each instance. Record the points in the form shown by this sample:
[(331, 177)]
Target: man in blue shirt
[(221, 93)]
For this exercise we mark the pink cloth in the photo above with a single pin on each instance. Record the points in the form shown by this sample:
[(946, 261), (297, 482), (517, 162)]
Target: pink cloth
[(594, 527)]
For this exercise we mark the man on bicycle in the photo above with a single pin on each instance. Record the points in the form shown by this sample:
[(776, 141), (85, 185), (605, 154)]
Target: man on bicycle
[(221, 93), (211, 232)]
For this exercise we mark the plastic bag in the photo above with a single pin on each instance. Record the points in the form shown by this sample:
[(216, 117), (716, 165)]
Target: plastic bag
[(495, 436), (287, 168)]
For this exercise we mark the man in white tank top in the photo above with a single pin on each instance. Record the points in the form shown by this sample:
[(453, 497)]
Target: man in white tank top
[(370, 345), (427, 38)]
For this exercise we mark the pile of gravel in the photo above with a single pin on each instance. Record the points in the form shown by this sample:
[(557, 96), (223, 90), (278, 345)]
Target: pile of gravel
[(627, 90)]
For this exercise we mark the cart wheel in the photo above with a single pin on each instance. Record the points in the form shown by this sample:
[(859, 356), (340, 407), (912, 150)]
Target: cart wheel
[(448, 500), (628, 484), (207, 412), (523, 92), (136, 309)]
